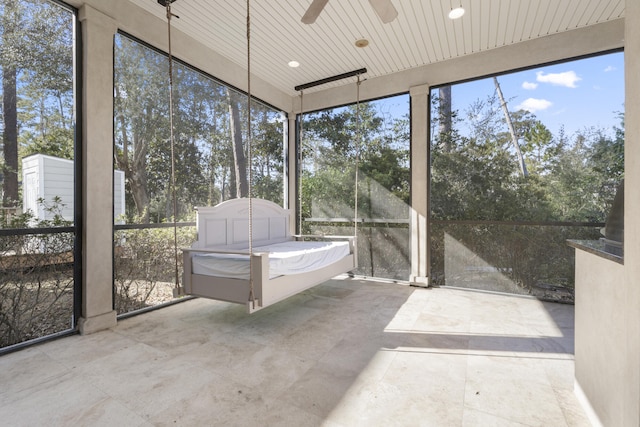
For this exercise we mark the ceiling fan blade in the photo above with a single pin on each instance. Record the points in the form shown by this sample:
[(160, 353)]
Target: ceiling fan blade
[(384, 9), (313, 11)]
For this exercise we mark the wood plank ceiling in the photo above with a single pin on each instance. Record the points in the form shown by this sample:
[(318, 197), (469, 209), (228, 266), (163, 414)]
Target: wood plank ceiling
[(421, 34)]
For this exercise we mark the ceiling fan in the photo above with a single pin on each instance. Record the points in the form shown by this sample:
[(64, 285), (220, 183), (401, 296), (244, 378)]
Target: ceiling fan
[(384, 9)]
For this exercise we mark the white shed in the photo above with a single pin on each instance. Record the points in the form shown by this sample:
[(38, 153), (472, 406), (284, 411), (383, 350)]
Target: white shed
[(45, 177)]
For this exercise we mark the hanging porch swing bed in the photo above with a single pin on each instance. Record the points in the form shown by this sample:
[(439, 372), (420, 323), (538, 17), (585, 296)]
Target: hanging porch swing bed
[(219, 265), (245, 252)]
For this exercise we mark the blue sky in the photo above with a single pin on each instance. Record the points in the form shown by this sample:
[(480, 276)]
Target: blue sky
[(577, 94)]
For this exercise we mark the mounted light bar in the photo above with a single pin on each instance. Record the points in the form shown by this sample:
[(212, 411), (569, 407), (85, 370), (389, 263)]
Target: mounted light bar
[(330, 79)]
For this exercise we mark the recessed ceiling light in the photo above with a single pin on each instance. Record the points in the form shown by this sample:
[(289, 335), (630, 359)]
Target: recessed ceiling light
[(362, 43), (294, 64), (456, 13)]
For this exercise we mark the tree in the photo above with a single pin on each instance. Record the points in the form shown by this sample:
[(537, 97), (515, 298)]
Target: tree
[(480, 176), (331, 146), (140, 106), (512, 132), (540, 147), (586, 173), (210, 138), (239, 157), (10, 64), (267, 153), (607, 154), (37, 71), (445, 117)]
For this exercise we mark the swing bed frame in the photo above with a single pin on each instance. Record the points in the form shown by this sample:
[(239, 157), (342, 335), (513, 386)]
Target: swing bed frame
[(222, 229)]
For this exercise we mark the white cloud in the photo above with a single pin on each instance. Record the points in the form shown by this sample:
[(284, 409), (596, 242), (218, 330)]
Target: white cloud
[(610, 68), (567, 79), (533, 105), (529, 85)]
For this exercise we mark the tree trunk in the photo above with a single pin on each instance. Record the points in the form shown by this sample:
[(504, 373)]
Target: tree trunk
[(9, 112), (514, 138), (444, 122), (211, 178), (134, 169), (239, 158), (138, 178), (10, 137)]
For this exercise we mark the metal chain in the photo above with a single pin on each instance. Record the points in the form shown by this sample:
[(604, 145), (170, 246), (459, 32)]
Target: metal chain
[(300, 162), (249, 155), (358, 142), (172, 143)]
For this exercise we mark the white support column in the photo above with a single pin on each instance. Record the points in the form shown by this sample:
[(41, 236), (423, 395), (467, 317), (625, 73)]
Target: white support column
[(98, 31), (419, 185), (631, 220)]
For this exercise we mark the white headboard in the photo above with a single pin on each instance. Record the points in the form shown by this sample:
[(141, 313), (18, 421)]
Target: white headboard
[(227, 224)]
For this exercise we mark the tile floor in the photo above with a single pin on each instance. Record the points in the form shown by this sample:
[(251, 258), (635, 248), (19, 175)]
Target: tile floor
[(346, 353)]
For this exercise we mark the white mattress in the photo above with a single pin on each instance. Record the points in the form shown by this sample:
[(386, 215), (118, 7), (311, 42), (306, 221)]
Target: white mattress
[(285, 258)]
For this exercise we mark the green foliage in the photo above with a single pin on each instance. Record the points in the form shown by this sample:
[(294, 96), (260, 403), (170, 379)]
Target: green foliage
[(36, 58), (332, 150), (476, 178), (28, 219), (532, 260), (58, 143), (204, 168), (338, 142), (145, 263), (540, 148), (36, 278)]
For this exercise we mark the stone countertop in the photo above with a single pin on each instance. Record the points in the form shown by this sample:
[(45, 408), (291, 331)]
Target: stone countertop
[(598, 247)]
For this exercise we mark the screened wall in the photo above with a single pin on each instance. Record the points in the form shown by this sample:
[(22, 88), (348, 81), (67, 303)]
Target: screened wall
[(372, 138), (38, 226), (514, 174), (213, 162)]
